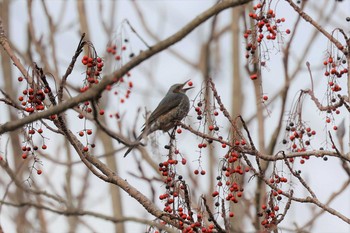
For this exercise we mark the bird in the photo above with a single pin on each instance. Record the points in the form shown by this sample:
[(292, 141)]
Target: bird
[(172, 108)]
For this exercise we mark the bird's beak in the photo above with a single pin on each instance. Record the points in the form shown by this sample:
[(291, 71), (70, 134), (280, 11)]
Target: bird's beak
[(187, 88)]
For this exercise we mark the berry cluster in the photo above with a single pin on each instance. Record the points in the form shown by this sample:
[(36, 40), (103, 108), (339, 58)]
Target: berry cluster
[(32, 100), (94, 67), (298, 137), (270, 210), (33, 97), (335, 68), (266, 27), (171, 180), (231, 170), (87, 109), (174, 203), (117, 51), (28, 150)]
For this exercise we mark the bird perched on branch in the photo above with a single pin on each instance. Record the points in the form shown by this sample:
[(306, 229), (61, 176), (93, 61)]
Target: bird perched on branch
[(171, 109)]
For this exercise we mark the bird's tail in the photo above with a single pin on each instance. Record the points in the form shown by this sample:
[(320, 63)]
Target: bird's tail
[(137, 142)]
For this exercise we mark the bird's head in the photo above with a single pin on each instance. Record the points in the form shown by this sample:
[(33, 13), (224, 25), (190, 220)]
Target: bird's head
[(179, 88)]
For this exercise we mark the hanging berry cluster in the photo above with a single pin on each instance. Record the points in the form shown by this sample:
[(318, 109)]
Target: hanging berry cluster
[(270, 211), (172, 180), (117, 52), (33, 97), (32, 101), (176, 196), (120, 51), (203, 114), (227, 188), (298, 137), (266, 28), (94, 67), (335, 68)]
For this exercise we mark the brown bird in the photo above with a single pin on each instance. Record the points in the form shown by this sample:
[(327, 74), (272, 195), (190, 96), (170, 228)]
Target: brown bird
[(172, 108)]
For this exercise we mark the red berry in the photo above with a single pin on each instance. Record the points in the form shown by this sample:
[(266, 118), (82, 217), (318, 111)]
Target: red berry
[(253, 76), (215, 193), (24, 155), (179, 131), (39, 171), (190, 83), (265, 97), (196, 172), (44, 147)]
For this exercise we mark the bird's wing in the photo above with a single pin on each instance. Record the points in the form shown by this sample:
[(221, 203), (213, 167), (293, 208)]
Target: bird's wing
[(169, 102)]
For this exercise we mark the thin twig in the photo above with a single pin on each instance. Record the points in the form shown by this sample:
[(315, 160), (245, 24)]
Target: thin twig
[(70, 67), (307, 18), (211, 216), (297, 175), (310, 73), (110, 133)]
